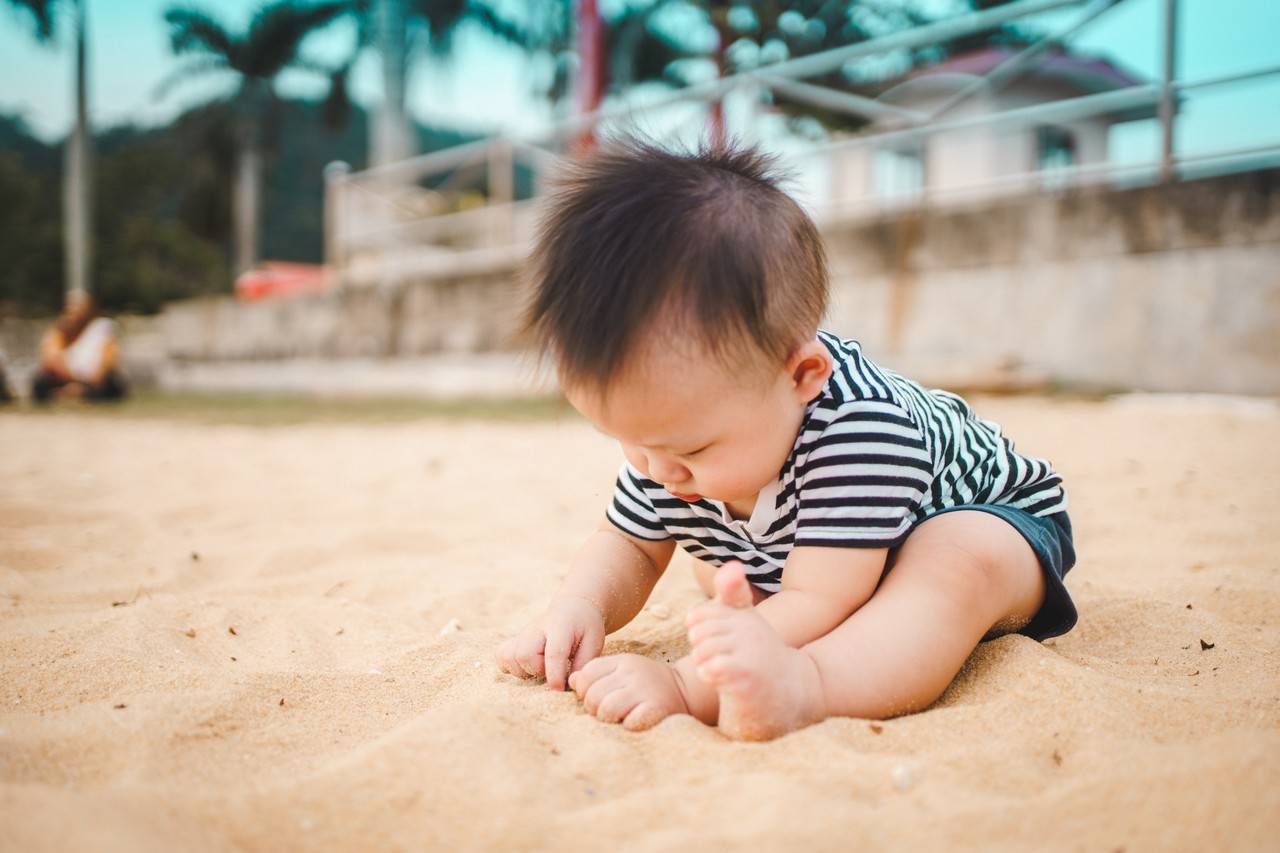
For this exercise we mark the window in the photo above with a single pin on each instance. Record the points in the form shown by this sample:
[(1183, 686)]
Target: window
[(1055, 154), (898, 171)]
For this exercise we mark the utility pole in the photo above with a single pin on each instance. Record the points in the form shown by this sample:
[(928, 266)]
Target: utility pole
[(391, 139), (1168, 95), (77, 175), (589, 86), (719, 13)]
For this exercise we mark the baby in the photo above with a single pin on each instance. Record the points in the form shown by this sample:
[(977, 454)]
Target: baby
[(858, 534)]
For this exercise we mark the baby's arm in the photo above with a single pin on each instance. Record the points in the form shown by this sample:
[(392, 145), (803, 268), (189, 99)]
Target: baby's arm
[(616, 572), (821, 587), (608, 582)]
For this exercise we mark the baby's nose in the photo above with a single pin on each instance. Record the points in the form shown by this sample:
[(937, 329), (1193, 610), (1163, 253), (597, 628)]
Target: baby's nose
[(667, 470)]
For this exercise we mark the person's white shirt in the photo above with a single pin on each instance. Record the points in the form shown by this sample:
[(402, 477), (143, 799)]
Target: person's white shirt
[(84, 356)]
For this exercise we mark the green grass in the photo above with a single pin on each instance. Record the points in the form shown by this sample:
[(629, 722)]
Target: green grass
[(289, 409)]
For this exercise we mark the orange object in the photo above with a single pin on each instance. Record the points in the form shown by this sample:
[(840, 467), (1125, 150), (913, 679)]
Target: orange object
[(281, 280)]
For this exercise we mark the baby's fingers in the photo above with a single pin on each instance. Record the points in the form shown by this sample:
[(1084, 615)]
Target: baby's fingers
[(617, 704), (504, 657), (646, 715), (528, 652), (556, 658), (589, 648), (581, 681)]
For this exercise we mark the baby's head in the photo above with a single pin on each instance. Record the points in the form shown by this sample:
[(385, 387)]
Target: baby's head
[(679, 297)]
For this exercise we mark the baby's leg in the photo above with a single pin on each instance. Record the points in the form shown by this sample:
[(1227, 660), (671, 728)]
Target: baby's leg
[(958, 576)]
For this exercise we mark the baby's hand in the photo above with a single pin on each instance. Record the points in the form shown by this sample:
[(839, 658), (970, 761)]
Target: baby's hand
[(634, 690), (571, 627)]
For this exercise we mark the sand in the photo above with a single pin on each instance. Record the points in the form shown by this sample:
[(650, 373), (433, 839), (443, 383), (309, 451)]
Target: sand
[(229, 637)]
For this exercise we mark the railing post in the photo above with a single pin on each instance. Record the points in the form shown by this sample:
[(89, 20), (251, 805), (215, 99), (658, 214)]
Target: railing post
[(502, 193), (335, 176), (1168, 95)]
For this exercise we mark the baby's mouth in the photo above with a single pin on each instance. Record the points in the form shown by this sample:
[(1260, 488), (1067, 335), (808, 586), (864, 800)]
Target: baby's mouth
[(684, 497)]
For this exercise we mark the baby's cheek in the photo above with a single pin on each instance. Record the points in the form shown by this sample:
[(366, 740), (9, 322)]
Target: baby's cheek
[(636, 459), (737, 484)]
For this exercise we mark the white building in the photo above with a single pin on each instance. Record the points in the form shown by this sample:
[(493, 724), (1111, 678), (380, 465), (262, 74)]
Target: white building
[(991, 156)]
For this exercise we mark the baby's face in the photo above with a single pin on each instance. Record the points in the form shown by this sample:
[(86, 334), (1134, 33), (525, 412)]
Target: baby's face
[(690, 425)]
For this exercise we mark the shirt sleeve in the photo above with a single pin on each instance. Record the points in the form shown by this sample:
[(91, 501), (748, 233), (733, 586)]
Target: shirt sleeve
[(862, 478), (631, 510)]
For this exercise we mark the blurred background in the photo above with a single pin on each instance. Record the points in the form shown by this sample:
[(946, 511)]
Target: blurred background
[(336, 198)]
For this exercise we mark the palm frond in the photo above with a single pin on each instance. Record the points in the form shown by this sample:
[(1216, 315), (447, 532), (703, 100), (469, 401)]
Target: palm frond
[(42, 11), (277, 31), (441, 18), (194, 31), (336, 109), (193, 69), (504, 28)]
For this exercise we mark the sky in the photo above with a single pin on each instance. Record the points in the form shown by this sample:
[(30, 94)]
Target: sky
[(487, 87)]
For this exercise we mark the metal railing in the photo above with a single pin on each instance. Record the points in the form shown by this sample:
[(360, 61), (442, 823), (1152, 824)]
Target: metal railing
[(412, 210)]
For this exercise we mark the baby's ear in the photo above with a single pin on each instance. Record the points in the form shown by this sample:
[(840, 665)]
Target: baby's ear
[(810, 367)]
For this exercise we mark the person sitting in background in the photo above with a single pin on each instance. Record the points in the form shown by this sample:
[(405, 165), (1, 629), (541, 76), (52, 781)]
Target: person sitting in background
[(6, 396), (79, 356)]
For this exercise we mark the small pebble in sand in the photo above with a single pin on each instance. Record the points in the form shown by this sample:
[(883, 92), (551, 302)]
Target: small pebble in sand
[(476, 665), (450, 627), (660, 611), (1205, 646), (902, 778), (190, 632)]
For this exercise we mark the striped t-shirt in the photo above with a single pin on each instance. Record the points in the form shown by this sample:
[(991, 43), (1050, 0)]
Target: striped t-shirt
[(875, 454)]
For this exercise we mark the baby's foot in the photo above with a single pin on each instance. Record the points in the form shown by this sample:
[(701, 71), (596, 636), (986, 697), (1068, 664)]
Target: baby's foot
[(766, 687)]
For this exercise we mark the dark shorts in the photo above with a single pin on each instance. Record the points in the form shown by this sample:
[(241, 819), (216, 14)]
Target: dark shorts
[(112, 387), (1050, 538)]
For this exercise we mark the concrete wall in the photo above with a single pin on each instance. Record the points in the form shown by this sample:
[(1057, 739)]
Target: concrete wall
[(413, 317), (1164, 288)]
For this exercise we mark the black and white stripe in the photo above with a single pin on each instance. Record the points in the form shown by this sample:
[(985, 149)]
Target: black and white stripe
[(875, 454)]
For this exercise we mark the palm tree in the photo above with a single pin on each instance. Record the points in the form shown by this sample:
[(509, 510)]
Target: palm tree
[(77, 197), (269, 45), (399, 29)]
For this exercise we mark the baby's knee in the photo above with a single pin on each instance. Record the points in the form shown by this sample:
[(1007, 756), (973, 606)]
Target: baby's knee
[(981, 562)]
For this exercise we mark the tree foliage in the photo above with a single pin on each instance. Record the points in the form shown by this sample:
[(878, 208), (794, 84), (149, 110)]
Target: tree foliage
[(162, 217)]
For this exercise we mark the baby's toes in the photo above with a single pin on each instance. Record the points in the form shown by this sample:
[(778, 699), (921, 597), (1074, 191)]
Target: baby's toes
[(710, 647), (709, 610), (722, 670), (707, 630)]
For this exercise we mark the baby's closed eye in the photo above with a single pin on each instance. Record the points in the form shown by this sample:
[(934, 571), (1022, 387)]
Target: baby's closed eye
[(691, 453)]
